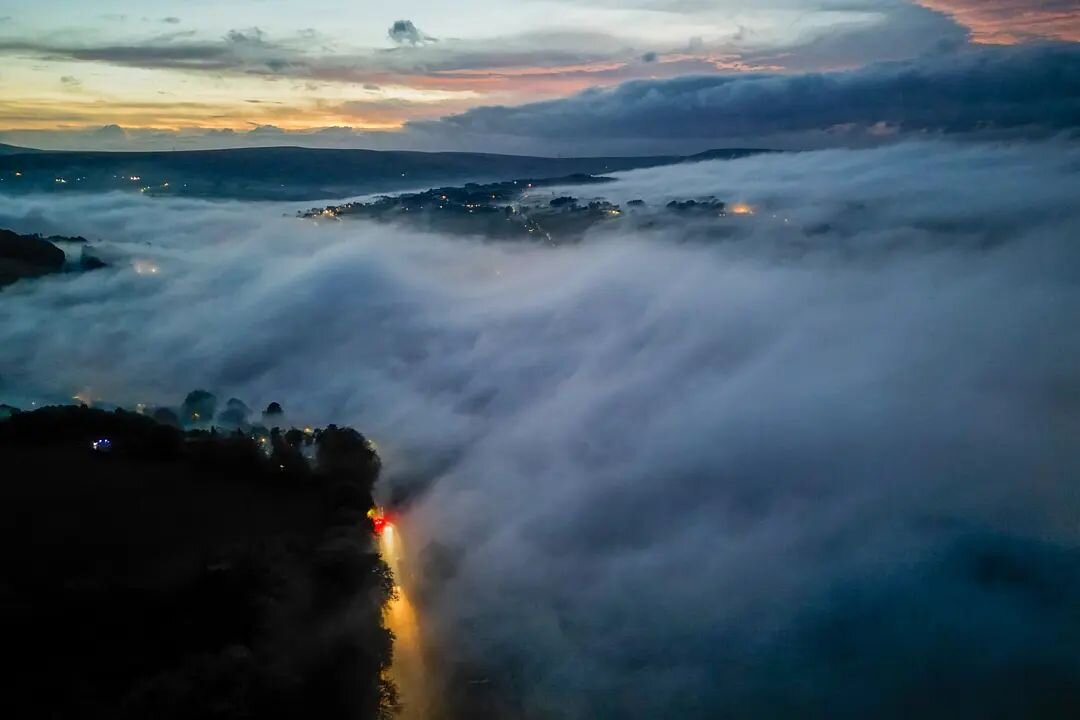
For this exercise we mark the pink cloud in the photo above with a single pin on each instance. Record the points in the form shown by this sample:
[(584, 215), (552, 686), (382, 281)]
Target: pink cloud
[(1006, 22)]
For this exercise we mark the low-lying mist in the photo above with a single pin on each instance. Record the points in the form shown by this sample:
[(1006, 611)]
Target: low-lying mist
[(819, 460)]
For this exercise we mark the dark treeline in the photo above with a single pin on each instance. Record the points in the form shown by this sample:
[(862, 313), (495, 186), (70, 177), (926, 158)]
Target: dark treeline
[(154, 572)]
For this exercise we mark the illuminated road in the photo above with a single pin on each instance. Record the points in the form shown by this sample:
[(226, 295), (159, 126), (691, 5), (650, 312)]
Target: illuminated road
[(408, 670)]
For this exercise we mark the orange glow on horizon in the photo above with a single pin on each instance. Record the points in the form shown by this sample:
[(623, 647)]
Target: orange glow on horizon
[(83, 115)]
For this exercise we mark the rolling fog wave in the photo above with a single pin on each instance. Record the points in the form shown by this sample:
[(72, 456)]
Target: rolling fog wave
[(819, 460)]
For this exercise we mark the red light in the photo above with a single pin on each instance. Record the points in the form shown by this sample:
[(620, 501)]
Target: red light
[(379, 523)]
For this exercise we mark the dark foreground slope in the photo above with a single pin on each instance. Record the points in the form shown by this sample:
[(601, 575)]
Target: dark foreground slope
[(291, 173), (188, 575), (31, 256), (27, 256)]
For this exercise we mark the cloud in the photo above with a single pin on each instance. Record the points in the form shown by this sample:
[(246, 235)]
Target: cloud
[(404, 32), (240, 50), (542, 63), (853, 34), (208, 56), (1030, 90), (171, 20), (814, 462), (507, 63), (650, 57), (251, 36), (70, 82), (1034, 87), (110, 132), (1012, 21)]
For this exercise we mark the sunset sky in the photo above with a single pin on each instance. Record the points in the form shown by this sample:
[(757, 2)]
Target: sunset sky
[(206, 71)]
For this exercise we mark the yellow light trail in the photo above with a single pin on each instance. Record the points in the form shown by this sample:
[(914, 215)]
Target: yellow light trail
[(408, 670)]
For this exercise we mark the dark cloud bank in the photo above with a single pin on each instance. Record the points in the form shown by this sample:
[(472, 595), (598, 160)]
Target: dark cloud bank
[(820, 463), (1035, 87)]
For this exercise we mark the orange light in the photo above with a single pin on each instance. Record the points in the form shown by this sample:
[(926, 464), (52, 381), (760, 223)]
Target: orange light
[(379, 521)]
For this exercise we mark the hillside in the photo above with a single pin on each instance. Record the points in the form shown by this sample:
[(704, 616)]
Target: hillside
[(292, 173), (172, 574), (15, 150)]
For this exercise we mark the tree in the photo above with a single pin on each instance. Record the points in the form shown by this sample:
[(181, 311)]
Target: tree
[(235, 414), (343, 453), (165, 416), (199, 406), (272, 412)]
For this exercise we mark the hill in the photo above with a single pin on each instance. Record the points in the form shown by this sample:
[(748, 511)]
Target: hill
[(15, 150), (292, 173), (153, 572)]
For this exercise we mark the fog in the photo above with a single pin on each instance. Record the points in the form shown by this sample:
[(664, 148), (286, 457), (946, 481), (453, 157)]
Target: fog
[(820, 460)]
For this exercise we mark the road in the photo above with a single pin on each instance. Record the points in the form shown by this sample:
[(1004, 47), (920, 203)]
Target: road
[(408, 671)]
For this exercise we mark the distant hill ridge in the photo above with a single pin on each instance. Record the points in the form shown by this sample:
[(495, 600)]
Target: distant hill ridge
[(16, 150), (295, 173)]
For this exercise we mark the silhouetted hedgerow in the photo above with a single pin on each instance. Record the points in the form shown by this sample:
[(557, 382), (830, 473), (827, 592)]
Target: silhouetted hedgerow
[(146, 571)]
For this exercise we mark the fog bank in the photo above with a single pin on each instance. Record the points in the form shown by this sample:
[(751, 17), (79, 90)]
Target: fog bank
[(819, 460)]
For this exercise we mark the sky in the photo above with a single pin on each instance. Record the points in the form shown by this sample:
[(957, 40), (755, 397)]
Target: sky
[(164, 74)]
